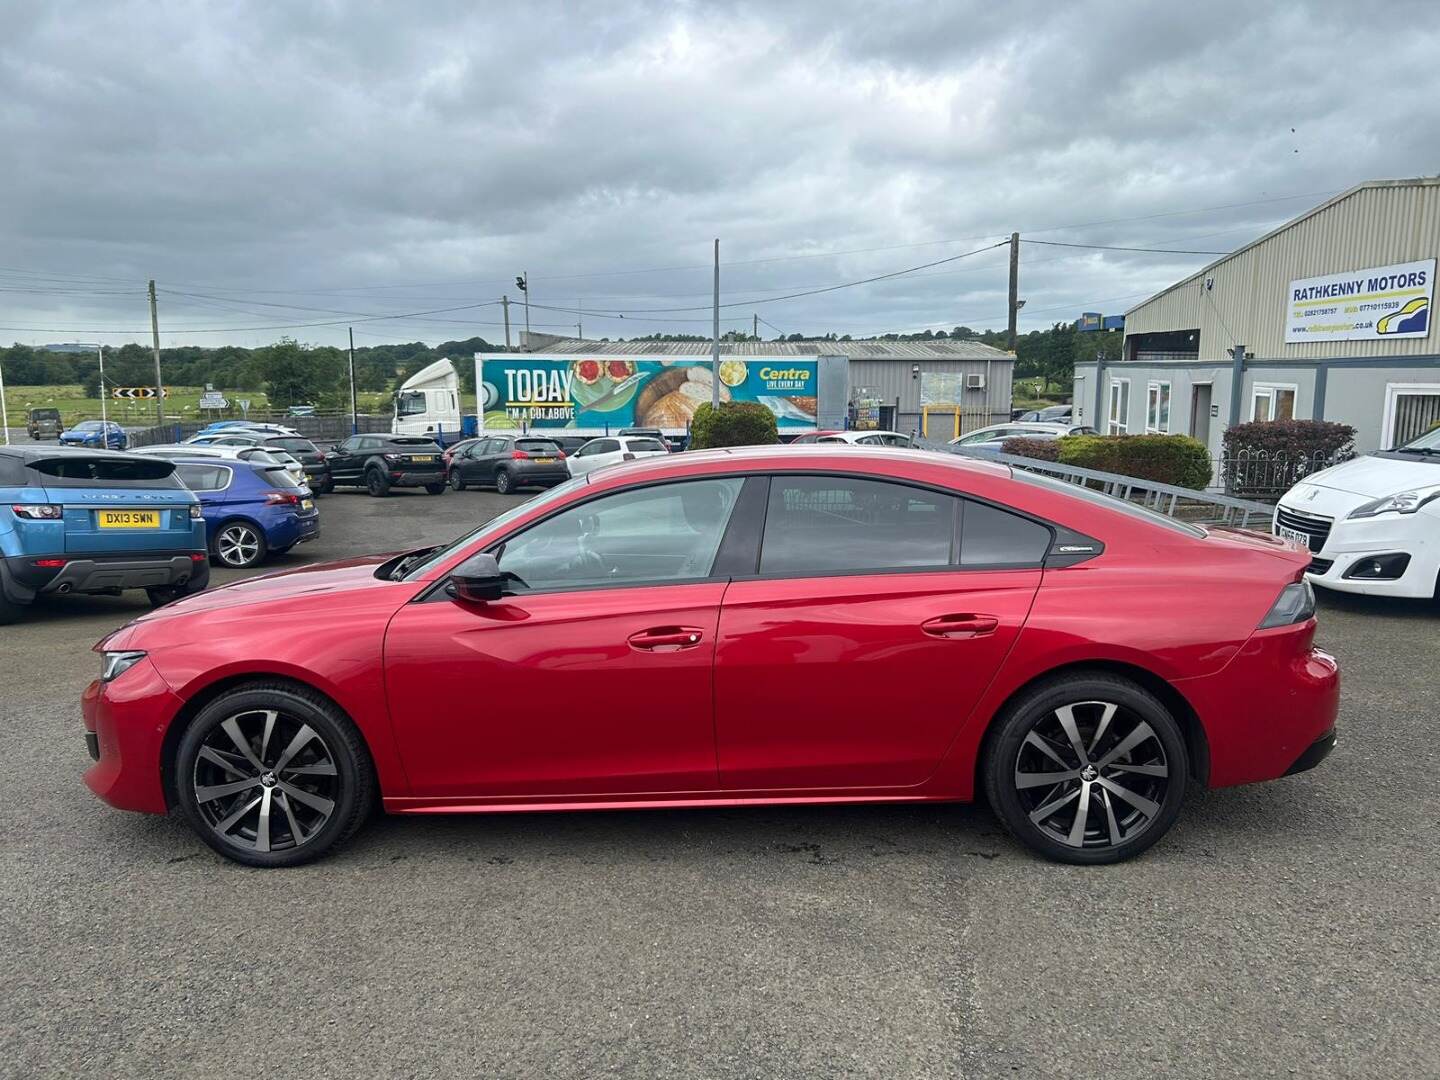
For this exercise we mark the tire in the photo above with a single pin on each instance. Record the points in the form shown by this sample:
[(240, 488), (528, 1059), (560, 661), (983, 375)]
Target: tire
[(1095, 805), (376, 484), (327, 486), (435, 489), (304, 810), (170, 593), (240, 544), (504, 482), (457, 482)]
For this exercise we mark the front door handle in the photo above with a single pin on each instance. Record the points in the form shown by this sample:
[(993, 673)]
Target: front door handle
[(666, 638), (966, 625)]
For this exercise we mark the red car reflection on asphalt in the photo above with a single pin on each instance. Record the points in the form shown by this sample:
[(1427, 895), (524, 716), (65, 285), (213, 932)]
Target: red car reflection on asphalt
[(803, 625)]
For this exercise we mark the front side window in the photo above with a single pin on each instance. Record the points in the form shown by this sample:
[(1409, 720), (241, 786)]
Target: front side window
[(836, 524), (667, 533)]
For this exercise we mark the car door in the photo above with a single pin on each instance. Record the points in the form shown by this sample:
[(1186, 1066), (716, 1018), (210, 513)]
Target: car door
[(878, 614), (594, 676), (479, 467)]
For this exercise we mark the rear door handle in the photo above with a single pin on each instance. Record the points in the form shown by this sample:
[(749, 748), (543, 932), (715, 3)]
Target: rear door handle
[(666, 638), (964, 625)]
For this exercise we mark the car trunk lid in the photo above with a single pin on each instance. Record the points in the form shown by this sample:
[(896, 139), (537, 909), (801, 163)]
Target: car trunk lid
[(115, 503)]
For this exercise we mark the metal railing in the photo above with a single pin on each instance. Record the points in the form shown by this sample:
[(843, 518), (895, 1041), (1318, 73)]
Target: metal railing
[(1184, 504), (1264, 474), (322, 430)]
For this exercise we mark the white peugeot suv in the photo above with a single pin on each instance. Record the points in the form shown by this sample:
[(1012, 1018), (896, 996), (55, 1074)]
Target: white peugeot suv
[(1372, 523)]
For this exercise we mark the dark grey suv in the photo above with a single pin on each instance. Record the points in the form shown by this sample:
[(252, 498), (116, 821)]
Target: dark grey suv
[(508, 462)]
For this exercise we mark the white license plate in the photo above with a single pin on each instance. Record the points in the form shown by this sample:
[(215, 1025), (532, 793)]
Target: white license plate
[(1303, 539), (544, 461), (423, 457), (307, 504)]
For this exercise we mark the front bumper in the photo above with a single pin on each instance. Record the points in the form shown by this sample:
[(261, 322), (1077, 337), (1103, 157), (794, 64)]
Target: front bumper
[(1340, 546), (125, 722)]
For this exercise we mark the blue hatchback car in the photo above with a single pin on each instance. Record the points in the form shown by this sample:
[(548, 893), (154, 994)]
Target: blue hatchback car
[(250, 510), (102, 434), (92, 521)]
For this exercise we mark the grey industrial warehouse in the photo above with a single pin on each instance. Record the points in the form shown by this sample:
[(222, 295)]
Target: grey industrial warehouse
[(913, 386), (1327, 317)]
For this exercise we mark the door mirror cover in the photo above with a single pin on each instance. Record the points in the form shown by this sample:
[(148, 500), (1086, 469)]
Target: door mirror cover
[(477, 580)]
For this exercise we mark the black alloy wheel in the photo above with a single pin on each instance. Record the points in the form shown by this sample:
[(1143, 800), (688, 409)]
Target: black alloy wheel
[(1091, 769), (376, 484), (273, 776)]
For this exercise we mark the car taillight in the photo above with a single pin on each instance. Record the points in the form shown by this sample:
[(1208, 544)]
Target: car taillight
[(1295, 604), (391, 457), (561, 455), (198, 556), (281, 498), (38, 511), (48, 564), (519, 455)]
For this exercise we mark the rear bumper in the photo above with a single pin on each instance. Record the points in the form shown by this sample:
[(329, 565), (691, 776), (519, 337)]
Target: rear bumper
[(1318, 752), (1266, 709), (22, 580), (416, 479), (549, 474), (125, 722)]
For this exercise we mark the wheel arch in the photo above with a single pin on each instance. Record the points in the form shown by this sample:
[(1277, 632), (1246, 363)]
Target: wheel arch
[(1197, 744), (185, 715)]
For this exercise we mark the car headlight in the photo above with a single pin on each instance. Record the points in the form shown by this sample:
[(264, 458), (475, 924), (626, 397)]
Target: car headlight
[(115, 664), (1402, 502)]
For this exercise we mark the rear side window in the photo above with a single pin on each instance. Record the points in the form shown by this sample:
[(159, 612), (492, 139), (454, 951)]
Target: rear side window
[(993, 537), (835, 524), (203, 477), (646, 446), (86, 472), (280, 478)]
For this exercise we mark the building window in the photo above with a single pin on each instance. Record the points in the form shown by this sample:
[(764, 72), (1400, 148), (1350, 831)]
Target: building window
[(1411, 409), (1157, 408), (1273, 402), (1119, 406)]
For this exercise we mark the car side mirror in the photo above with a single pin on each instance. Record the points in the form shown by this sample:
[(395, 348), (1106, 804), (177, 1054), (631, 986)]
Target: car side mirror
[(477, 580)]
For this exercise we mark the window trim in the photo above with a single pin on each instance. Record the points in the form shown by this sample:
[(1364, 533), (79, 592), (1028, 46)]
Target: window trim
[(1268, 389), (435, 590), (1393, 393), (1153, 387), (1123, 423)]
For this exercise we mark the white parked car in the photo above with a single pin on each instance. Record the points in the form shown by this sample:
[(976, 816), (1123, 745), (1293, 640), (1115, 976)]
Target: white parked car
[(991, 438), (1372, 524), (867, 438), (610, 450), (264, 455)]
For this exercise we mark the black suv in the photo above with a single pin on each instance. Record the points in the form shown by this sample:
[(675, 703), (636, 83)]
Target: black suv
[(509, 462), (379, 462)]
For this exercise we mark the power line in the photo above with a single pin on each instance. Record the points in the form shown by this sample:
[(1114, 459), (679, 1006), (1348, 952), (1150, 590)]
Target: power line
[(1111, 247)]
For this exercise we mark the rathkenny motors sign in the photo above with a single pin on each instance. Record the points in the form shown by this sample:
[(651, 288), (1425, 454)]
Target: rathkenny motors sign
[(1362, 305)]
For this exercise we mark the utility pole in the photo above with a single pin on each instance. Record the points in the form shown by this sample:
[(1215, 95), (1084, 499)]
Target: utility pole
[(505, 303), (4, 413), (1014, 285), (523, 283), (715, 351), (354, 408), (155, 339), (580, 320), (755, 327), (104, 414)]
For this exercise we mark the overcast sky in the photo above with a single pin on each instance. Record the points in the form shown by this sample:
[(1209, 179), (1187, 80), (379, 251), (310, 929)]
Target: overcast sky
[(351, 159)]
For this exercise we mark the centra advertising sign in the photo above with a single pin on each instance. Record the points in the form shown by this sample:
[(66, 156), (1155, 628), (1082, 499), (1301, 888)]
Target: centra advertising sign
[(611, 392), (1362, 305)]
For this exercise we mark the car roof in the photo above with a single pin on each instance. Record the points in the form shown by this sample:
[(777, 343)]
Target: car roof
[(29, 453), (830, 457)]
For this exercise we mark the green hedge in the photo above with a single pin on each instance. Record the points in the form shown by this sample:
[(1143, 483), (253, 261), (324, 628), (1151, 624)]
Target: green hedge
[(1166, 459), (1040, 449), (737, 423)]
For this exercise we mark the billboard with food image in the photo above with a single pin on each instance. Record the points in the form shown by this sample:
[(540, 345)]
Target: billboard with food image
[(610, 392)]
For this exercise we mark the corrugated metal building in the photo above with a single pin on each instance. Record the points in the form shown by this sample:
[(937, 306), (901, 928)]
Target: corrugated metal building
[(893, 372), (1250, 337)]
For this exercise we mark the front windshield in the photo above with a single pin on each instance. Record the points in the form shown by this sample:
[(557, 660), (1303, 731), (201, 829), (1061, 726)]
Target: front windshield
[(1429, 441), (409, 403), (88, 425), (440, 554)]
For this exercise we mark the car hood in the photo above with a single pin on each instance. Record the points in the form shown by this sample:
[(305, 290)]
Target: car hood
[(1375, 476)]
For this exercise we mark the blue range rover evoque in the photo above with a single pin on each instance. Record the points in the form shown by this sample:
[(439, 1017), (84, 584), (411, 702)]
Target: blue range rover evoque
[(95, 521)]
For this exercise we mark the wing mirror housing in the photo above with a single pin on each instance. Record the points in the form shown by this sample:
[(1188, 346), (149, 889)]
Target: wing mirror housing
[(477, 580)]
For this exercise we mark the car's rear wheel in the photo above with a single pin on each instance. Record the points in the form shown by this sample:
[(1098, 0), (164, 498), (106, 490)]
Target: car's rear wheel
[(1087, 769), (273, 775), (239, 545), (456, 480), (504, 482), (10, 612), (376, 484)]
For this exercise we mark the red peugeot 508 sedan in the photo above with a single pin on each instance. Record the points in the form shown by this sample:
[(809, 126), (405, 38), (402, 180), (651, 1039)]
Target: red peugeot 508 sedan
[(802, 625)]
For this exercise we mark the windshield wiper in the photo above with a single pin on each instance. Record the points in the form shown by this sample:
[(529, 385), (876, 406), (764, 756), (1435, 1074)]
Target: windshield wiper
[(403, 566)]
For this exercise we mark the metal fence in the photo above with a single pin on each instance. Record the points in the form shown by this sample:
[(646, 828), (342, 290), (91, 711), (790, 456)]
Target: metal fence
[(322, 430), (1266, 475), (1184, 504)]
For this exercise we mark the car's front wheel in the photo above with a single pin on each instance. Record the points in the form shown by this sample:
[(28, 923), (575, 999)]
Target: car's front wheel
[(239, 545), (1089, 768), (273, 775)]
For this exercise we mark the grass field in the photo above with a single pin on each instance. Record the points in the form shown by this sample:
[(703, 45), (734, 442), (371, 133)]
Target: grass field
[(183, 403)]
